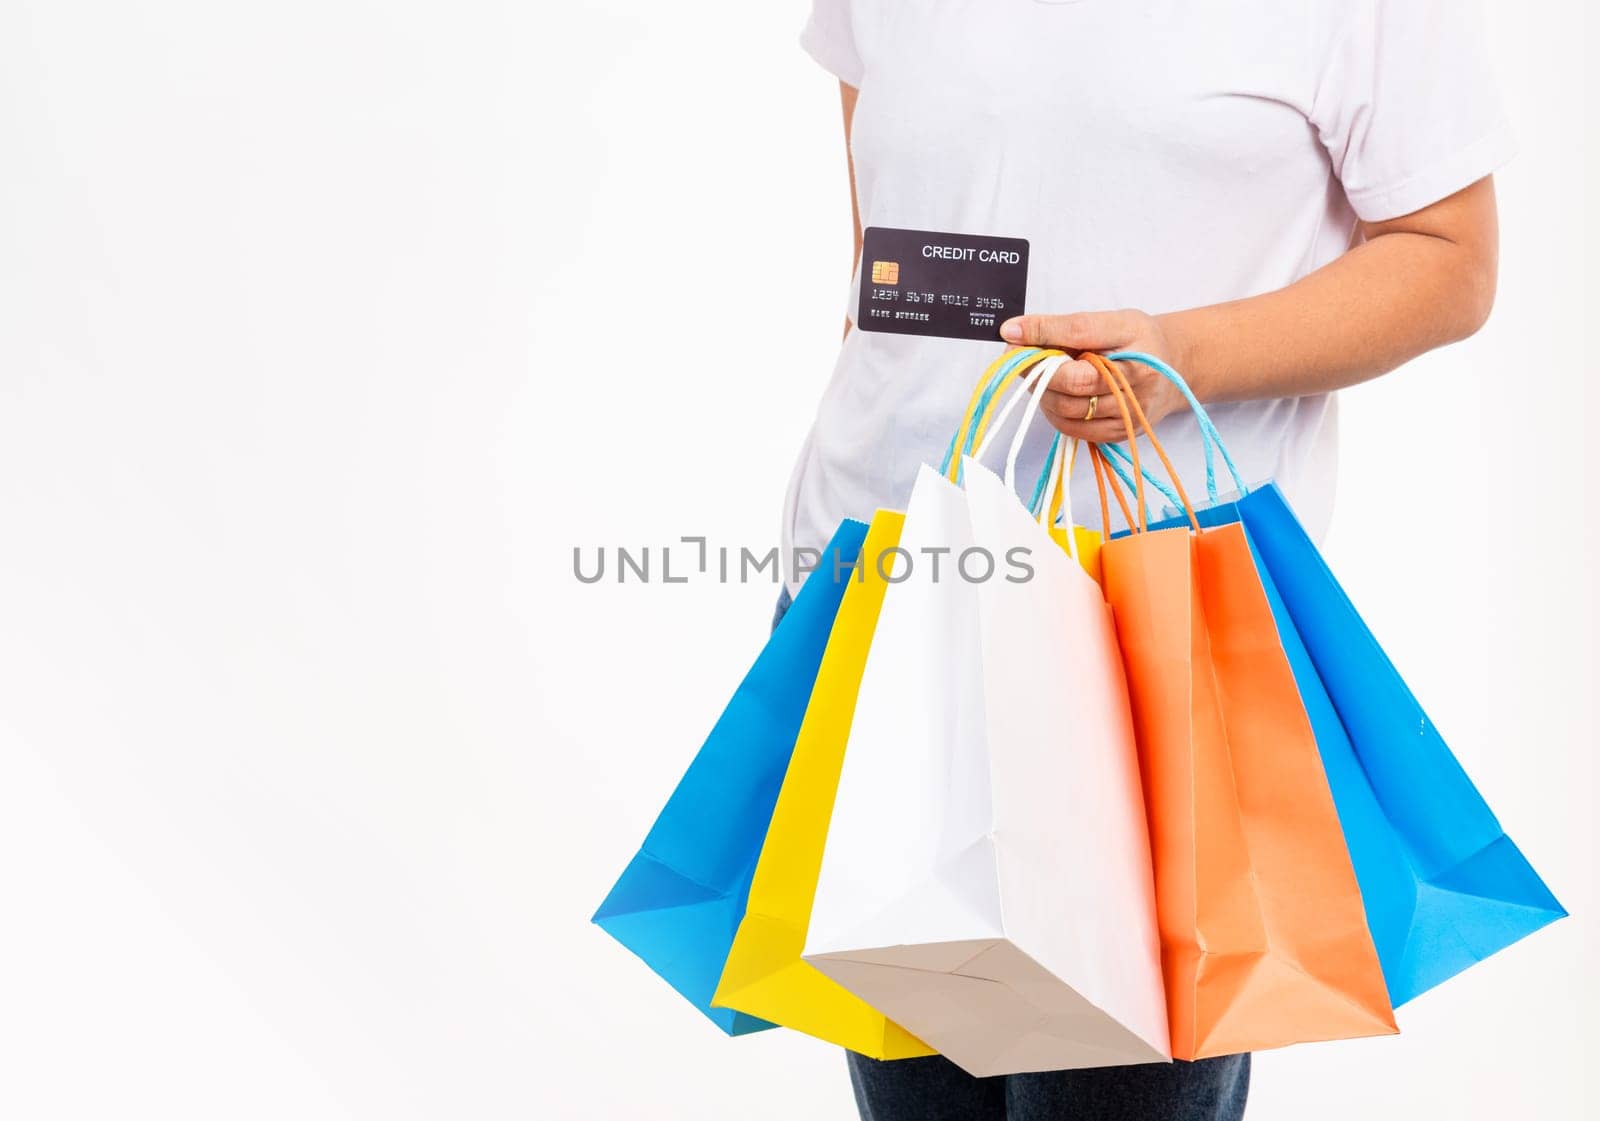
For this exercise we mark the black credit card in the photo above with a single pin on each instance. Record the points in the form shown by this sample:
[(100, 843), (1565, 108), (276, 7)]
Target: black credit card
[(952, 286)]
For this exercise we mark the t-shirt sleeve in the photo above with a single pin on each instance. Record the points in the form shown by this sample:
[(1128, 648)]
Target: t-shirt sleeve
[(1407, 105), (829, 37)]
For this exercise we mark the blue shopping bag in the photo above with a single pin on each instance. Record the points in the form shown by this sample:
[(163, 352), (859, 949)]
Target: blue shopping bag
[(678, 903), (1443, 885)]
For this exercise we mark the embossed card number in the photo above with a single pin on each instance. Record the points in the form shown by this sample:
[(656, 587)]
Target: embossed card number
[(952, 286)]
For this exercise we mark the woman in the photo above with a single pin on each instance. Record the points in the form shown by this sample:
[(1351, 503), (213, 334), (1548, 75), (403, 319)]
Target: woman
[(1285, 197)]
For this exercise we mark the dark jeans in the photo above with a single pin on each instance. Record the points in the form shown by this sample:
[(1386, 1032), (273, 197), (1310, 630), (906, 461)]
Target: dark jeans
[(935, 1089)]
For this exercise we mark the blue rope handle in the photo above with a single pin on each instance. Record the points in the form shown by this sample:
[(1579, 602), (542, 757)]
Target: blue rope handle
[(1117, 458), (1036, 503), (1209, 436), (1117, 453)]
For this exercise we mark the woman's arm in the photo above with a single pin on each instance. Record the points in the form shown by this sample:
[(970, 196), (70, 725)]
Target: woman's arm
[(1414, 283), (847, 100)]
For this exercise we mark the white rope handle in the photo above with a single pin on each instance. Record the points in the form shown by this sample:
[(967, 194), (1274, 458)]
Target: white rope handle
[(1060, 477), (1036, 395)]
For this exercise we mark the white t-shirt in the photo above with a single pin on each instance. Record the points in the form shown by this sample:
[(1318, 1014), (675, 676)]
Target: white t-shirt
[(1157, 154)]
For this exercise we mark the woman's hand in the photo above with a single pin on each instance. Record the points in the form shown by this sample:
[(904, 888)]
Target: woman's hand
[(1077, 398)]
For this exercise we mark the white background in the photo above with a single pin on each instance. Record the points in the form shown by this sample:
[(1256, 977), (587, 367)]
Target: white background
[(327, 329)]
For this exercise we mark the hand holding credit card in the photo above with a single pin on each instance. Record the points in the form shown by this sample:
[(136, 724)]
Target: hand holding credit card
[(953, 286)]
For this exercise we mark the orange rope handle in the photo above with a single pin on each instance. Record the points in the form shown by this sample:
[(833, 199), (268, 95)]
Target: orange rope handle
[(1117, 378), (1100, 483), (1116, 489), (1117, 391)]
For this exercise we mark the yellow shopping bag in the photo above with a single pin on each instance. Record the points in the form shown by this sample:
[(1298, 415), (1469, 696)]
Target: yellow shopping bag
[(764, 975)]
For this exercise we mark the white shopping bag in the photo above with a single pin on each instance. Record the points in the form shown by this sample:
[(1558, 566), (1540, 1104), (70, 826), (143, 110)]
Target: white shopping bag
[(986, 881)]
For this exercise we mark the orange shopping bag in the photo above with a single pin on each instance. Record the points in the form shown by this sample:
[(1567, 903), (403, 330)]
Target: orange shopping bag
[(1263, 934)]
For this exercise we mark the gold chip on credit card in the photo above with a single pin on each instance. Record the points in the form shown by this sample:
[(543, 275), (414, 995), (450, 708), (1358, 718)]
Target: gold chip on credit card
[(886, 272)]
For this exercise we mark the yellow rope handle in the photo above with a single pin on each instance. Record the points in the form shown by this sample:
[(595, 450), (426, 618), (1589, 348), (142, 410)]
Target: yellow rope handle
[(1056, 501)]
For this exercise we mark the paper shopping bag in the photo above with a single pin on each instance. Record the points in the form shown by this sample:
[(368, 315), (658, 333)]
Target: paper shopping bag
[(679, 901), (985, 881), (1264, 937), (1442, 884), (764, 975)]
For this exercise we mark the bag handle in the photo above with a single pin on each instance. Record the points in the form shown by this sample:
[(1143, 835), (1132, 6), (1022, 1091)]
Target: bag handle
[(1210, 438), (1058, 463), (1097, 461), (1053, 480), (1116, 458), (1061, 502), (1117, 385), (1115, 480), (1058, 467), (1021, 387), (986, 384), (996, 381), (1035, 504), (1028, 391), (1128, 404)]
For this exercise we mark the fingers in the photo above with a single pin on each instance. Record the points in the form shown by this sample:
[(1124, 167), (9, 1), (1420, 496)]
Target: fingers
[(1096, 431), (1079, 391), (1090, 409), (1084, 330), (1078, 379), (1067, 406)]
